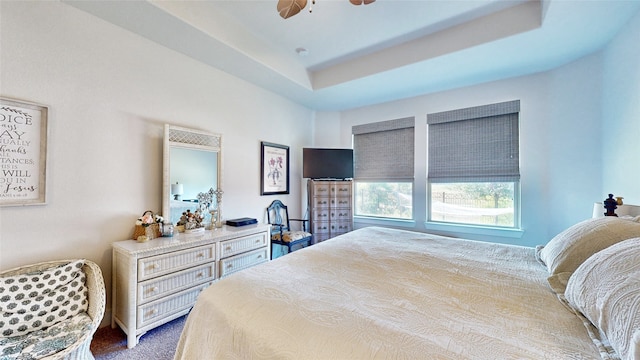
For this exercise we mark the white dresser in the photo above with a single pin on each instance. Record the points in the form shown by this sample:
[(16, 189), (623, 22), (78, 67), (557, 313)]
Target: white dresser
[(159, 280), (330, 208)]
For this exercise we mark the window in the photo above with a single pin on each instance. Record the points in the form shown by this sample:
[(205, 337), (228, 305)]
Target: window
[(384, 199), (383, 168), (474, 170)]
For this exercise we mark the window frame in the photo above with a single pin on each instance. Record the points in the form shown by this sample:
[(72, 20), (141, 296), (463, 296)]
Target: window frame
[(464, 169)]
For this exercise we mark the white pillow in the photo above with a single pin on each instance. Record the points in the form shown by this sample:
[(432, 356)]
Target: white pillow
[(567, 250), (39, 299), (606, 290)]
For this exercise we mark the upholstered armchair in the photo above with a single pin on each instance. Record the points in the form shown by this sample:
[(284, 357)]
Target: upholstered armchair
[(50, 310)]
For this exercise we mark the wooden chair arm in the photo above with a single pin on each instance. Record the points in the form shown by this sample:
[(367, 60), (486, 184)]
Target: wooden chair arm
[(304, 223)]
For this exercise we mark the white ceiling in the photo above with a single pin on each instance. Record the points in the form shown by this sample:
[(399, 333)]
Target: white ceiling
[(387, 50)]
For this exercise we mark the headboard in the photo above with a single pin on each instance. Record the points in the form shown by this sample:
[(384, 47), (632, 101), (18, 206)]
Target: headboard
[(621, 210)]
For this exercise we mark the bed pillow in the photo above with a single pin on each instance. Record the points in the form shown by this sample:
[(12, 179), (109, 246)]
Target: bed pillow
[(567, 250), (606, 290)]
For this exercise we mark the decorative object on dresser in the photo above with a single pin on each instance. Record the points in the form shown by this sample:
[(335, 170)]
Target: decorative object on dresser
[(274, 169), (281, 232), (156, 282), (148, 226), (207, 200), (50, 310), (242, 221), (330, 208)]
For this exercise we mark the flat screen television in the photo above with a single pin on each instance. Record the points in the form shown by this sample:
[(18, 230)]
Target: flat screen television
[(327, 163)]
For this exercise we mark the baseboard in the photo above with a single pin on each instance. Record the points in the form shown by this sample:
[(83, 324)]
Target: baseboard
[(106, 320)]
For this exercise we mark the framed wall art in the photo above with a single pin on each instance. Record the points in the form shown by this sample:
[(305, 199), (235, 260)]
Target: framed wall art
[(23, 153), (274, 169)]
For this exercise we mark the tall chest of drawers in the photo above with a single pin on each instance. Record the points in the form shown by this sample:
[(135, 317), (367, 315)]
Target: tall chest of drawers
[(159, 280), (330, 208)]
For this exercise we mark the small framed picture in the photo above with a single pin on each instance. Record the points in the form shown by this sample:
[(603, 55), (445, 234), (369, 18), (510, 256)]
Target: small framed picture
[(274, 169), (23, 153)]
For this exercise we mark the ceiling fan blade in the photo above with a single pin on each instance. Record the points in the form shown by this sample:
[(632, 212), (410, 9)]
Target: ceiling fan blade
[(288, 8), (360, 2)]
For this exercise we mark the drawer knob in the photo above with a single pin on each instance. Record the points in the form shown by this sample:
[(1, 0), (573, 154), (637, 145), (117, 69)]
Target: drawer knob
[(229, 266), (153, 311), (154, 289), (154, 266), (200, 255), (200, 275), (228, 248)]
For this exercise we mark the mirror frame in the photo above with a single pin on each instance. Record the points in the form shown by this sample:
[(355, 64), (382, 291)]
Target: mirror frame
[(175, 136)]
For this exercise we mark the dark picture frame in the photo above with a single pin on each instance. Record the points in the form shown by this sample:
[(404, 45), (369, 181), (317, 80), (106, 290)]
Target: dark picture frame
[(23, 150), (274, 169)]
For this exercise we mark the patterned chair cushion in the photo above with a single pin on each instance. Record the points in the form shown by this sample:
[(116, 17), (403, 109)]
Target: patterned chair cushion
[(39, 299), (290, 236), (45, 342)]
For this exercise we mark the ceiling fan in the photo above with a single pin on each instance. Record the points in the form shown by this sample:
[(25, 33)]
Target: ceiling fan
[(288, 8)]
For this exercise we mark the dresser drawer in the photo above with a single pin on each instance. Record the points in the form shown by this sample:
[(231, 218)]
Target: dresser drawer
[(321, 214), (240, 245), (320, 227), (154, 266), (158, 310), (320, 202), (341, 189), (340, 215), (341, 203), (340, 227), (322, 188), (158, 287), (242, 261)]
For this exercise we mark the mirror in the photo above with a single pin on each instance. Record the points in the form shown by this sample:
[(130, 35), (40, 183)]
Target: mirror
[(192, 164)]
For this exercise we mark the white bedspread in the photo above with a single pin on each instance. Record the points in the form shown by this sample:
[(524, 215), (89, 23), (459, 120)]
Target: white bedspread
[(379, 293)]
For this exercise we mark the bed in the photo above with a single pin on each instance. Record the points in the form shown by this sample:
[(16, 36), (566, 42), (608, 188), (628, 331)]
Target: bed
[(378, 293)]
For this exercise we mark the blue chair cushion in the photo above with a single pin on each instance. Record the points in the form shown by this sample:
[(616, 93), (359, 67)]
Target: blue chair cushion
[(47, 341)]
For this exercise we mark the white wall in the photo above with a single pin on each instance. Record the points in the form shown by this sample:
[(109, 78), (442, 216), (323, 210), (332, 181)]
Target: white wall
[(110, 92), (579, 131), (559, 125), (620, 138)]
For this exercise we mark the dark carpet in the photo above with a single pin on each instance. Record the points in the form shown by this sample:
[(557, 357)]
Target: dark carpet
[(157, 344)]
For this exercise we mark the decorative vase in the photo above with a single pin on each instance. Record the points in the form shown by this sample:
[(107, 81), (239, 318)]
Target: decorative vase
[(218, 220), (619, 200), (167, 230)]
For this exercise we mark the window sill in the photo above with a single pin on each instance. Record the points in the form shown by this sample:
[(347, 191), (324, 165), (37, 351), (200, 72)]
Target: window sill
[(455, 229), (365, 220), (446, 229)]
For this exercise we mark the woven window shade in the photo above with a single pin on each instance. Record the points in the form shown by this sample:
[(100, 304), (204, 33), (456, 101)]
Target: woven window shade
[(478, 144), (383, 151)]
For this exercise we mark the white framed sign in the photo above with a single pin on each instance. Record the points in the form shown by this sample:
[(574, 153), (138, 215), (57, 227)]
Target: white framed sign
[(23, 153)]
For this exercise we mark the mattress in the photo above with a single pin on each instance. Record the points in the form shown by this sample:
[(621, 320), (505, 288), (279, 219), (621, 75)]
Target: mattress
[(378, 293)]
